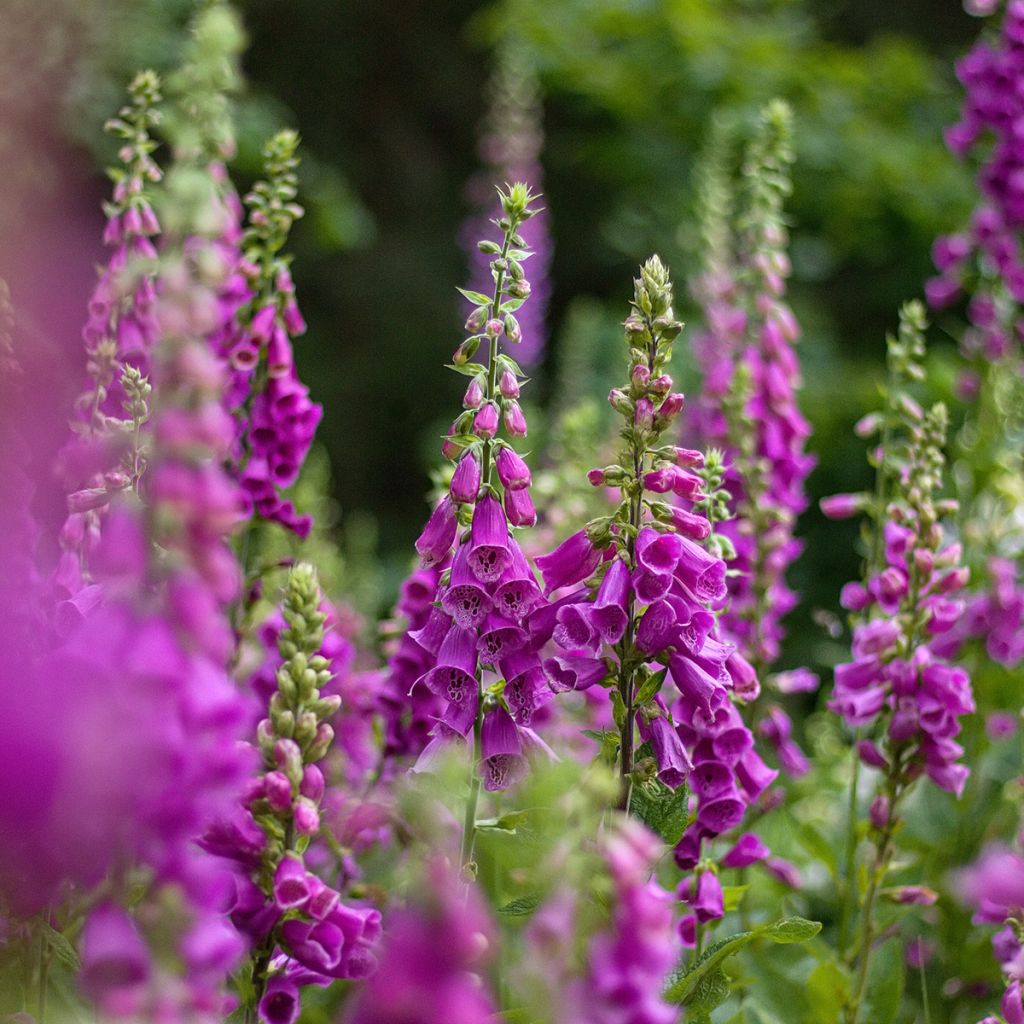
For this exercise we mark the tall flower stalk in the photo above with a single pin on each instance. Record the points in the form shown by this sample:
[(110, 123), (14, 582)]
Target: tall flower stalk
[(484, 596), (644, 612), (904, 698)]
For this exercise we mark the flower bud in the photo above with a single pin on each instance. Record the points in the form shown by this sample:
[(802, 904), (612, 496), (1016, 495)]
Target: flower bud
[(640, 377), (643, 414), (312, 783), (841, 506), (306, 817), (508, 385), (512, 329), (661, 385), (596, 477), (319, 747), (515, 421), (485, 423), (278, 791), (466, 351), (474, 396), (465, 485), (494, 328), (476, 320), (512, 470), (878, 813), (689, 458), (619, 401), (288, 758)]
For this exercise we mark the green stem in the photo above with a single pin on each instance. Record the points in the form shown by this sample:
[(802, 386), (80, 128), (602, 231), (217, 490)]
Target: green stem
[(487, 462), (850, 882)]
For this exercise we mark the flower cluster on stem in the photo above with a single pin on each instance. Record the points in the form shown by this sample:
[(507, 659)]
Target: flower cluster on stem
[(486, 593), (898, 690)]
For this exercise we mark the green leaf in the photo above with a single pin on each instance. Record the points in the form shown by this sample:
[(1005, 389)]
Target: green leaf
[(477, 298), (683, 982), (522, 906), (661, 809), (732, 896), (712, 990), (467, 369), (61, 947), (790, 929), (652, 685), (618, 708), (828, 988)]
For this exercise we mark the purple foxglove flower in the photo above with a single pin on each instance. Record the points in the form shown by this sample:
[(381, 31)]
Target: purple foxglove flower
[(474, 395), (841, 506), (918, 895), (650, 586), (513, 472), (747, 850), (571, 562), (114, 956), (499, 734), (687, 851), (657, 628), (517, 592), (797, 680), (489, 553), (454, 675), (688, 931), (754, 775), (465, 485), (720, 815), (465, 599), (788, 874), (280, 1003), (732, 744), (515, 421), (432, 633), (608, 613), (291, 884), (306, 817), (701, 571), (574, 672), (708, 904), (658, 552), (1000, 725), (673, 763), (574, 630), (435, 542), (499, 637), (744, 679), (1013, 1004), (712, 779), (212, 945), (317, 946), (695, 685), (485, 422), (643, 414), (660, 481), (508, 385), (691, 524), (519, 508)]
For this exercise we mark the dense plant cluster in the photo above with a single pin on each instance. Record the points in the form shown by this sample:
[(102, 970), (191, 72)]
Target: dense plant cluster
[(573, 777)]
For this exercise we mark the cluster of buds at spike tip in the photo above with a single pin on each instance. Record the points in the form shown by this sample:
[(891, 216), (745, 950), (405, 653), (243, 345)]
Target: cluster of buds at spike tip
[(276, 418), (295, 922), (485, 595), (899, 685), (644, 617)]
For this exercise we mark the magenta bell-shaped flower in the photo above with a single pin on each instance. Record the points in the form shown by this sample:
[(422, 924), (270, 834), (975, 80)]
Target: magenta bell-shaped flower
[(747, 850), (465, 485), (513, 472), (485, 422), (708, 904), (489, 554), (515, 421), (501, 748), (454, 675), (572, 561), (657, 628), (519, 508), (673, 763), (465, 599), (435, 542), (280, 1003), (114, 956), (291, 884), (609, 609)]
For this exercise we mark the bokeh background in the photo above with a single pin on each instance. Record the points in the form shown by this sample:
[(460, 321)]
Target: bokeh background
[(390, 98)]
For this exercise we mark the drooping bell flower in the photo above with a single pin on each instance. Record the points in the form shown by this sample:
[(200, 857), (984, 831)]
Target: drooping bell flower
[(465, 484), (609, 608), (572, 561), (114, 955), (501, 749), (489, 554), (465, 599), (513, 472), (438, 536)]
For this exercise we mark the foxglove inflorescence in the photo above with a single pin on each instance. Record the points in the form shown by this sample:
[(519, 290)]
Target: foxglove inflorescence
[(751, 376)]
